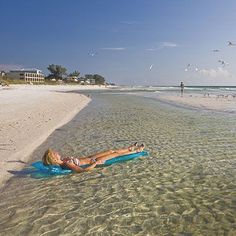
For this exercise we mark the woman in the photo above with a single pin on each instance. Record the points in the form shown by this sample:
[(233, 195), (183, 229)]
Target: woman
[(74, 163)]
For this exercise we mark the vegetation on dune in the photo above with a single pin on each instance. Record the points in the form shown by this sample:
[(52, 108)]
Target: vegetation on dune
[(75, 73), (56, 71), (58, 75)]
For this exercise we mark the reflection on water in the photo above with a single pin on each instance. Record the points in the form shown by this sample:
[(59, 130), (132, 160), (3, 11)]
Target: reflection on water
[(186, 187)]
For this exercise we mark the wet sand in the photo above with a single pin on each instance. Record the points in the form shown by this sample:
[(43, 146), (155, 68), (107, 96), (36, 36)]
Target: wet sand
[(215, 102), (225, 103)]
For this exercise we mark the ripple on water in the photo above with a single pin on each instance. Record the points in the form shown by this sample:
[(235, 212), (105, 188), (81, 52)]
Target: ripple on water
[(185, 187)]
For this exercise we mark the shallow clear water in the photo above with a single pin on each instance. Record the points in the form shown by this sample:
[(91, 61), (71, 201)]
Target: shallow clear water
[(185, 187)]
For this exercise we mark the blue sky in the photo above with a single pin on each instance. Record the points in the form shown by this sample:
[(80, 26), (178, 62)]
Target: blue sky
[(127, 37)]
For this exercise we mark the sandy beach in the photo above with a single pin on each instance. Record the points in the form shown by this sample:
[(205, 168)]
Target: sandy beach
[(211, 102), (214, 102), (28, 115)]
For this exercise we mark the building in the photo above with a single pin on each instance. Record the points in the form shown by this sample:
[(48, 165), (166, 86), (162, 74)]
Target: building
[(72, 78), (27, 75), (86, 81), (2, 73)]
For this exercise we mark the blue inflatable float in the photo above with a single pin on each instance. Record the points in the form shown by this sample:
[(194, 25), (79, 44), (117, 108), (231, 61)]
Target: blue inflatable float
[(46, 171)]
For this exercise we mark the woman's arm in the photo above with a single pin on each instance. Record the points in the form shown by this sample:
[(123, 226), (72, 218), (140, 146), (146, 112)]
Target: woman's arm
[(78, 169)]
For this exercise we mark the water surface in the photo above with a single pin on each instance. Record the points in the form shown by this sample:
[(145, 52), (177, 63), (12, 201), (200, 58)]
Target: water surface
[(185, 187)]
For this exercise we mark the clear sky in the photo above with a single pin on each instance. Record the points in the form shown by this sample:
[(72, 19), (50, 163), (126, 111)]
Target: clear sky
[(144, 42)]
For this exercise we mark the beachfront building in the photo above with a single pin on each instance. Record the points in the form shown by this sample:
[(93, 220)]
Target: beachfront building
[(2, 73), (86, 81), (27, 75), (72, 78)]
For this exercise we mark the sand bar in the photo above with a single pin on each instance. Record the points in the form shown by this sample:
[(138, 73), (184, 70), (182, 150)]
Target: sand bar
[(214, 102), (28, 115)]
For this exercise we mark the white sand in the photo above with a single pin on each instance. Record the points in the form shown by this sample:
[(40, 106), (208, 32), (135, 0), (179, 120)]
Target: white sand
[(28, 115), (213, 102)]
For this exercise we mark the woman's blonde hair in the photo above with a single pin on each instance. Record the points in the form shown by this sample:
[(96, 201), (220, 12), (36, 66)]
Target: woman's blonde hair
[(48, 158)]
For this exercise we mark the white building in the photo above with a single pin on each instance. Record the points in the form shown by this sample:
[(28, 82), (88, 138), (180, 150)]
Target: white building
[(2, 73), (72, 78), (86, 81), (27, 75)]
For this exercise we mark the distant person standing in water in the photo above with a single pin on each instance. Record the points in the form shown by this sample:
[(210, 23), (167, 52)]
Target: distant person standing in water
[(182, 88)]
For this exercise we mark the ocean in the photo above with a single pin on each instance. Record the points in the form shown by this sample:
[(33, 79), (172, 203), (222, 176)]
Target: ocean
[(187, 89), (186, 186)]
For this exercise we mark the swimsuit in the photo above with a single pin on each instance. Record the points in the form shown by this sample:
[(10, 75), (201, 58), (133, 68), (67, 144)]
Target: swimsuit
[(74, 160)]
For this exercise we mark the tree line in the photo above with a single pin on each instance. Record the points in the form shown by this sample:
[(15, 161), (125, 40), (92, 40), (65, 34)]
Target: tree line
[(59, 72)]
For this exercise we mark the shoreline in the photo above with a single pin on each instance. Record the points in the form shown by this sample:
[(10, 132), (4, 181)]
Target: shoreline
[(29, 114), (199, 101), (211, 102)]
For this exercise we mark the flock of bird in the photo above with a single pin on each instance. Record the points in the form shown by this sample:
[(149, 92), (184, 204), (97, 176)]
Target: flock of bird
[(92, 54), (188, 67), (222, 62)]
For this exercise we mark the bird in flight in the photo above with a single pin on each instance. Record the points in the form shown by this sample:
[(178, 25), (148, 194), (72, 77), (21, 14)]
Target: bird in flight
[(92, 54), (223, 63), (215, 50), (187, 67), (231, 43), (150, 68)]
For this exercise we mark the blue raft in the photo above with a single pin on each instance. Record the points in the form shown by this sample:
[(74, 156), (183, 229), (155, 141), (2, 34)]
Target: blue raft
[(46, 171)]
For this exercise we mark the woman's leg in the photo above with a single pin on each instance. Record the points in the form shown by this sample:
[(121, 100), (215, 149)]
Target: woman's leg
[(131, 148), (100, 154), (108, 152), (102, 159)]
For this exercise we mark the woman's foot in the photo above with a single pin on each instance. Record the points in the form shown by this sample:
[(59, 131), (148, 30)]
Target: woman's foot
[(140, 148), (132, 147), (93, 160)]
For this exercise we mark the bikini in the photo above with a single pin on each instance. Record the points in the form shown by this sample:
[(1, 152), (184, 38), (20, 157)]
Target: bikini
[(74, 160)]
